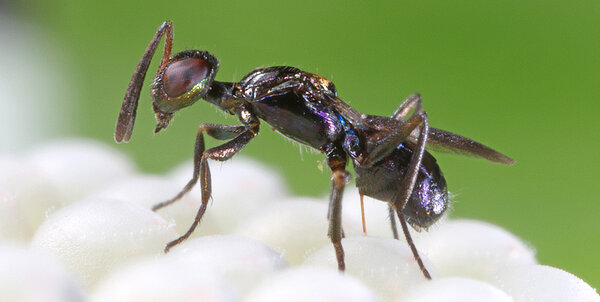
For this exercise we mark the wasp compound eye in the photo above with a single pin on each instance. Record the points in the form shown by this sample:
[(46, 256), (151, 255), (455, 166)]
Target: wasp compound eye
[(184, 79), (181, 76)]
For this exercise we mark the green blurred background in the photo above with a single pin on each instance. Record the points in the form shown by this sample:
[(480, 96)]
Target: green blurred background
[(520, 76)]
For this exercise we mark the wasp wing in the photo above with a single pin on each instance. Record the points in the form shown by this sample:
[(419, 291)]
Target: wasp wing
[(438, 140), (448, 142)]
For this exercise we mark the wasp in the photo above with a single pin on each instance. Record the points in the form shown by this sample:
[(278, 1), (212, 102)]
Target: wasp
[(389, 154)]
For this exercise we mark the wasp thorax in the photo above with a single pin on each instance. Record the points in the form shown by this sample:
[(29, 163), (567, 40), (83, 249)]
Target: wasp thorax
[(181, 76)]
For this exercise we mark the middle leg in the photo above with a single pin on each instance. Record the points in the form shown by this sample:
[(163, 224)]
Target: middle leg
[(339, 178)]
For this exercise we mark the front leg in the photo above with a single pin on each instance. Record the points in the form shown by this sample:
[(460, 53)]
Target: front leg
[(223, 152), (222, 132), (339, 178)]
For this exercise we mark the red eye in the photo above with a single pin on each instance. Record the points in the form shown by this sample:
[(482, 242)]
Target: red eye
[(183, 75)]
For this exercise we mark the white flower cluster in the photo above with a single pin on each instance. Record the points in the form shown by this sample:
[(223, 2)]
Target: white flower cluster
[(76, 225)]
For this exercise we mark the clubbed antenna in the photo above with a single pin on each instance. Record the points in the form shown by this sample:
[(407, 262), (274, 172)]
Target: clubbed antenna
[(126, 118)]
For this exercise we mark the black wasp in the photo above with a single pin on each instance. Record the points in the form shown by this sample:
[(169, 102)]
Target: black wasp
[(388, 153)]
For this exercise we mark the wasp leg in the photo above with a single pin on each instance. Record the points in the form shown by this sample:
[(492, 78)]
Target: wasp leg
[(400, 132), (413, 101), (222, 132), (393, 221), (201, 169), (406, 189), (339, 178)]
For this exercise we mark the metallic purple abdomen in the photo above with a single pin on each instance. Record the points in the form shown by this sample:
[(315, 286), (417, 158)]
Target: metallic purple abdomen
[(429, 199)]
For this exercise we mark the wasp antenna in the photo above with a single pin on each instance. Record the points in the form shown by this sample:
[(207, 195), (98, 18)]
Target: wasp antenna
[(126, 119)]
